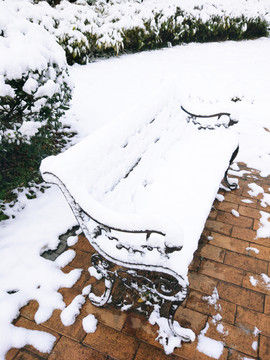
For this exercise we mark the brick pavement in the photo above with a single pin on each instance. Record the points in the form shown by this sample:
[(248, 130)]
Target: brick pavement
[(221, 261)]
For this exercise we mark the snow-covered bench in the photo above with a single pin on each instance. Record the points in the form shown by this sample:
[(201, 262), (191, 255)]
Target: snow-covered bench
[(141, 191)]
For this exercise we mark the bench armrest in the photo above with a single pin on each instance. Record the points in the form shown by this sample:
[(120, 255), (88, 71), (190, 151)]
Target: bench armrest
[(193, 117), (108, 219)]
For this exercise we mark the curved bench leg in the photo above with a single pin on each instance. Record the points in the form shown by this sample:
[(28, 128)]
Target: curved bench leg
[(185, 334), (101, 265), (232, 186), (103, 299)]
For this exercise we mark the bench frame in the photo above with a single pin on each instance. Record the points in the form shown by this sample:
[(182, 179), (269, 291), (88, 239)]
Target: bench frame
[(168, 287)]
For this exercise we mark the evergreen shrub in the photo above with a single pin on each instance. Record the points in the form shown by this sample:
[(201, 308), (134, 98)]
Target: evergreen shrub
[(35, 90), (102, 29), (88, 29)]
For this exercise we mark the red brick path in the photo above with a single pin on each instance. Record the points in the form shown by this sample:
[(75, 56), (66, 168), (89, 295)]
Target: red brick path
[(222, 263)]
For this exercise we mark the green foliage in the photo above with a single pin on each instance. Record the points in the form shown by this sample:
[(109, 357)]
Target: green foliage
[(20, 155), (57, 2), (177, 29), (77, 48), (30, 106), (20, 163), (30, 126), (91, 29), (191, 29), (52, 2)]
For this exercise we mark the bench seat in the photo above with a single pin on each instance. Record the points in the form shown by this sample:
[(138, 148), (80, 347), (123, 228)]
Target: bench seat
[(143, 188)]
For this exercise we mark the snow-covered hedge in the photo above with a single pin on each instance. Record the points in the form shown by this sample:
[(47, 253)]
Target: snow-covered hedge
[(35, 90), (109, 27), (34, 84)]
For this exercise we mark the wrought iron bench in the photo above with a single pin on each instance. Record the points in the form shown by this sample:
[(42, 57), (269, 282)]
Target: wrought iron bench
[(142, 191)]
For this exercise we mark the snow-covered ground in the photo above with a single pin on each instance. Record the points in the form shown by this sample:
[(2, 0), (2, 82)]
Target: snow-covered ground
[(204, 77)]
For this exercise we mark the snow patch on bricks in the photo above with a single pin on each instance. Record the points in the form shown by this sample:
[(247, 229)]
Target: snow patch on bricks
[(208, 346), (253, 249), (89, 323), (247, 201), (255, 189), (264, 229), (69, 314), (235, 213), (220, 197), (253, 281), (213, 299), (165, 335)]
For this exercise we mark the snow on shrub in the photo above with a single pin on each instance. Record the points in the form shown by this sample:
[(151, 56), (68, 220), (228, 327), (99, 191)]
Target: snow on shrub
[(34, 85), (87, 29), (73, 25), (35, 90)]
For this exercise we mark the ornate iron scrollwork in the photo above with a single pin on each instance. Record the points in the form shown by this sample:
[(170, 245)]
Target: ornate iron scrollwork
[(231, 186), (164, 287), (194, 119), (113, 234), (154, 288)]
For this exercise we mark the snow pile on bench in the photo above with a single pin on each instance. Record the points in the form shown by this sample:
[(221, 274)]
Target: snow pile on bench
[(148, 174)]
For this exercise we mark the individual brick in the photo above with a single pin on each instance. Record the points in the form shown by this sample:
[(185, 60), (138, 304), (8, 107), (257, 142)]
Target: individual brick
[(82, 260), (70, 349), (264, 348), (260, 241), (241, 296), (227, 206), (244, 262), (222, 271), (253, 203), (248, 319), (249, 212), (263, 254), (69, 294), (202, 283), (243, 234), (197, 301), (218, 226), (237, 200), (232, 198), (138, 326), (190, 319), (112, 342), (229, 243), (150, 352), (211, 252), (110, 316), (83, 244), (229, 218)]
